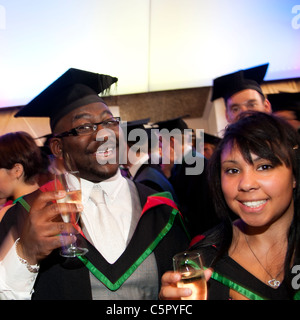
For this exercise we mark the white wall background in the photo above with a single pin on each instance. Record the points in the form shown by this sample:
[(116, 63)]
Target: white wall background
[(149, 45)]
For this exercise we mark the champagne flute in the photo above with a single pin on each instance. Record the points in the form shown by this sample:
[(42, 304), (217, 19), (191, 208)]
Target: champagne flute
[(69, 181), (190, 266)]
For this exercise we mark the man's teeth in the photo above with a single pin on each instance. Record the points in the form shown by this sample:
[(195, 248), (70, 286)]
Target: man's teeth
[(105, 152), (254, 204)]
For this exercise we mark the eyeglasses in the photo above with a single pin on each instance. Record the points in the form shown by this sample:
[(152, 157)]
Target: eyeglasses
[(88, 128)]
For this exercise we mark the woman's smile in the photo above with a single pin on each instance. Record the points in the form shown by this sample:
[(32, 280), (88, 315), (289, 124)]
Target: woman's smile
[(257, 191), (253, 205)]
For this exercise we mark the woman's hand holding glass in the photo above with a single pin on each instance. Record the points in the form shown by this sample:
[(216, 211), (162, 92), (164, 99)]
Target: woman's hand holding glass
[(170, 289)]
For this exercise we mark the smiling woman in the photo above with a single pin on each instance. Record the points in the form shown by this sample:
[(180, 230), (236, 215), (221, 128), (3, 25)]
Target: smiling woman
[(259, 191), (254, 176)]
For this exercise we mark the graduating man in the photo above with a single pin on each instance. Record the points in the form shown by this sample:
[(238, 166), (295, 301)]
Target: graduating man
[(210, 144), (130, 241), (187, 174), (241, 91), (139, 157)]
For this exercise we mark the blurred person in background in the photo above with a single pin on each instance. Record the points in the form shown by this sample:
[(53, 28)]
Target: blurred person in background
[(20, 163), (241, 92)]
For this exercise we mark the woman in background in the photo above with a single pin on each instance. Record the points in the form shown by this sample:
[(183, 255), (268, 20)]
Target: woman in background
[(20, 163), (254, 176)]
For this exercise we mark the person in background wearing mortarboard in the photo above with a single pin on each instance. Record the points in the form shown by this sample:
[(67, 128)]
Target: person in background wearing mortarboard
[(194, 200), (139, 166), (287, 106), (210, 144), (138, 246), (179, 144), (242, 92)]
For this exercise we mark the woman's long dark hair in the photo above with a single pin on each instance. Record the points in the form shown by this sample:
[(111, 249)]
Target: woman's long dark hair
[(268, 137)]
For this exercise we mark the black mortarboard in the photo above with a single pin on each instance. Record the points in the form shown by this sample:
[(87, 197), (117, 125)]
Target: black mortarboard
[(137, 124), (75, 88), (176, 123), (211, 139), (229, 84), (286, 101)]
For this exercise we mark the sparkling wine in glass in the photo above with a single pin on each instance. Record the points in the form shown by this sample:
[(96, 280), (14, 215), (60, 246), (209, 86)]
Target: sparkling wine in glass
[(69, 181), (190, 266)]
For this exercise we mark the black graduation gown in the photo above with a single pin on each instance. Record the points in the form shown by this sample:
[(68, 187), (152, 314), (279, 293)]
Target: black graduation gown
[(195, 201), (152, 176), (228, 273), (159, 230)]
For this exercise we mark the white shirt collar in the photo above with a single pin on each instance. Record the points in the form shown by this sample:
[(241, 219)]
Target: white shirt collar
[(111, 187)]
